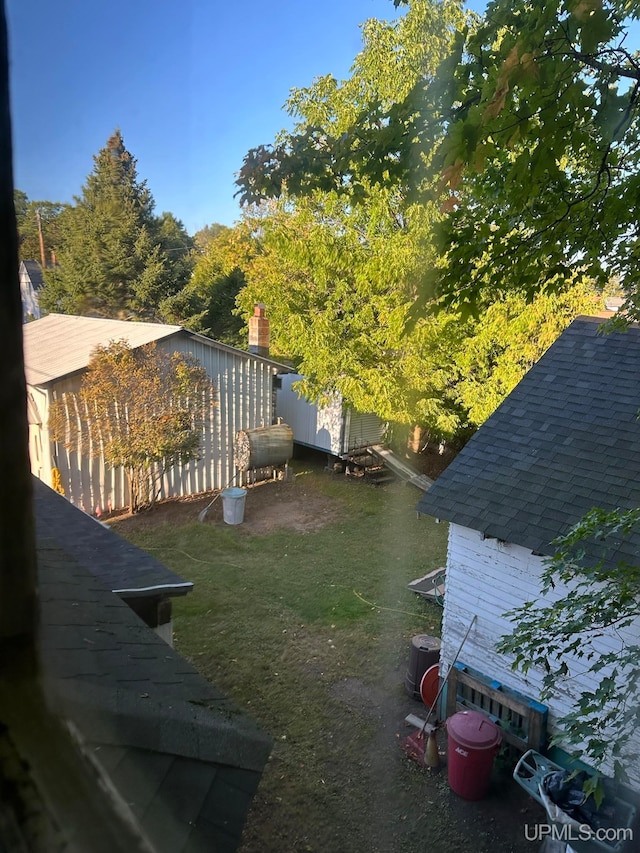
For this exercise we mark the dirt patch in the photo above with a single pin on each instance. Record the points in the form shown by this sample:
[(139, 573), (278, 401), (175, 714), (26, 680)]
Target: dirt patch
[(269, 506)]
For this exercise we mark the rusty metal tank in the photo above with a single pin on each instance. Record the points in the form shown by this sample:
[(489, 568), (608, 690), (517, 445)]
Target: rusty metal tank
[(263, 447), (425, 652)]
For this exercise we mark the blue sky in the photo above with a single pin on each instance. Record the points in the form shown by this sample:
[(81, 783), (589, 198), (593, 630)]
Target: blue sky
[(192, 85)]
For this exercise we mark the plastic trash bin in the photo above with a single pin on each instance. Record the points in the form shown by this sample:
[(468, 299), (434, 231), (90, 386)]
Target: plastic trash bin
[(474, 741), (233, 505)]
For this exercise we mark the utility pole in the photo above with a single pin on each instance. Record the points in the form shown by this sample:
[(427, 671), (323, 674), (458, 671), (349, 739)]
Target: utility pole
[(43, 261)]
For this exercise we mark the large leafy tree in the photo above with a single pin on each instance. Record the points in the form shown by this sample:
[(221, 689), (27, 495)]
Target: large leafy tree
[(339, 288), (116, 258), (360, 131), (140, 409), (337, 284), (339, 260), (540, 159), (207, 304), (338, 276), (527, 137)]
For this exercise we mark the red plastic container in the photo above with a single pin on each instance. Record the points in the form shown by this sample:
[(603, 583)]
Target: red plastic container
[(474, 741)]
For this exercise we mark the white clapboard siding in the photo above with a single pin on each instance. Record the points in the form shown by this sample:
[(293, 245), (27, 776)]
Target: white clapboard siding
[(487, 578)]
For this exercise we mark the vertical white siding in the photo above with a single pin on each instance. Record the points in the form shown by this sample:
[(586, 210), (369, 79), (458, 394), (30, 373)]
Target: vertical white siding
[(244, 401), (244, 397), (364, 429), (329, 427), (39, 450), (320, 427), (87, 481), (488, 578)]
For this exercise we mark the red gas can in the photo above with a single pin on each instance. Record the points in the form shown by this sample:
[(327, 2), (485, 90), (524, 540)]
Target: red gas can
[(474, 741)]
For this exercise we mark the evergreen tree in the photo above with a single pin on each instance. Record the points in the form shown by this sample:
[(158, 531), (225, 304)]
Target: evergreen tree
[(208, 302), (115, 258), (33, 217)]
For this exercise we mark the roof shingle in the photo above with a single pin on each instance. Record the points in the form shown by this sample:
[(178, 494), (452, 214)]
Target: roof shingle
[(566, 439), (180, 753)]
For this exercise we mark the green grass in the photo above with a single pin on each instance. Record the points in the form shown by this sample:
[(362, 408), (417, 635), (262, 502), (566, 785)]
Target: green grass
[(280, 621)]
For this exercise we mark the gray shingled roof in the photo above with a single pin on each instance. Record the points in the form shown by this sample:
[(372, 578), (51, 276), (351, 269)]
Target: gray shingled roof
[(121, 566), (180, 754), (565, 440), (34, 271), (60, 344)]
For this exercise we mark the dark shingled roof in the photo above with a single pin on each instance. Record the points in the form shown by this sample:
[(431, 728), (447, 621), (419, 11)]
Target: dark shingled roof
[(121, 566), (180, 754), (565, 440), (34, 272)]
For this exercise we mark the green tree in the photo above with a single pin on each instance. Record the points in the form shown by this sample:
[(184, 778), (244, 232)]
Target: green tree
[(508, 338), (33, 217), (337, 282), (179, 249), (116, 258), (340, 268), (361, 131), (141, 409), (207, 304), (599, 595), (20, 201), (527, 137), (540, 157), (205, 235), (338, 277)]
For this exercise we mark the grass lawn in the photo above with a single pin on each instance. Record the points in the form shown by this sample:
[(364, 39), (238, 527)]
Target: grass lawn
[(311, 633)]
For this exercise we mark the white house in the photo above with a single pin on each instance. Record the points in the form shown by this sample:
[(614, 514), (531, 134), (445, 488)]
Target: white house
[(565, 440), (31, 282), (57, 351)]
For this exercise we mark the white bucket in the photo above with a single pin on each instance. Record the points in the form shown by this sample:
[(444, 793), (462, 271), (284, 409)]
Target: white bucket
[(233, 505)]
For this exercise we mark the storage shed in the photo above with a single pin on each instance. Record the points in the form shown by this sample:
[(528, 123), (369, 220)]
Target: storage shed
[(57, 351), (565, 440), (334, 428)]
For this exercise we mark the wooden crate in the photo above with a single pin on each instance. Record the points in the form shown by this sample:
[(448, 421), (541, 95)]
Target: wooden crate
[(523, 720)]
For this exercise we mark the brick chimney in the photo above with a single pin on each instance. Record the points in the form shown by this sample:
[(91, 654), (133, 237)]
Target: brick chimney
[(259, 331)]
